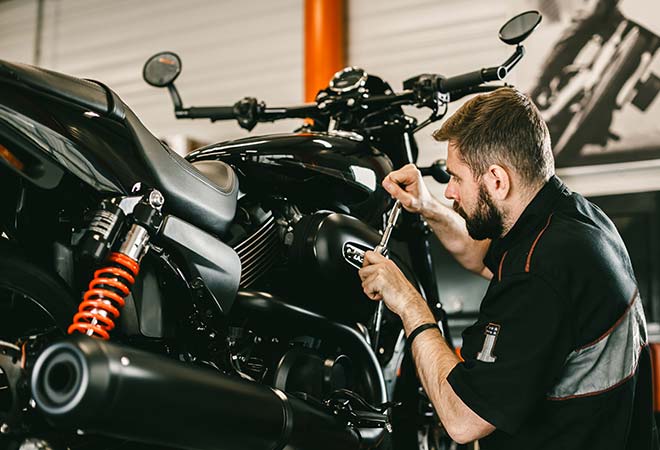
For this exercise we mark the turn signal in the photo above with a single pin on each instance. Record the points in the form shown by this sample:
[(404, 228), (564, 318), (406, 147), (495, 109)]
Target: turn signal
[(11, 158)]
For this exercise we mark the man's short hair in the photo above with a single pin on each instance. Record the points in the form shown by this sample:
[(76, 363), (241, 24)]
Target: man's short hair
[(502, 127)]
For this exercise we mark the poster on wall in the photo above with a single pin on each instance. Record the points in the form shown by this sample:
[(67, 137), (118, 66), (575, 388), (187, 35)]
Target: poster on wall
[(597, 80)]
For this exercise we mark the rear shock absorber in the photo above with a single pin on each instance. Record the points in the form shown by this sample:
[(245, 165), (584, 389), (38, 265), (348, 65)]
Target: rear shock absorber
[(102, 302)]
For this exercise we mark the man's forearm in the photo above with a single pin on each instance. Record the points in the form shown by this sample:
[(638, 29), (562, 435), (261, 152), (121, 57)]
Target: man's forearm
[(450, 229), (434, 361), (433, 357)]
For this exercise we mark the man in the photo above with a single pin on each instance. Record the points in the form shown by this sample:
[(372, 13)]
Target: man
[(557, 358)]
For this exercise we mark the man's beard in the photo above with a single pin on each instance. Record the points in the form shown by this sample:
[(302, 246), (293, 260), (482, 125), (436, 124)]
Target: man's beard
[(486, 222)]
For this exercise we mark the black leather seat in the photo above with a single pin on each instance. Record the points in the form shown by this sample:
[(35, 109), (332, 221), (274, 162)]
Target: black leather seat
[(207, 200)]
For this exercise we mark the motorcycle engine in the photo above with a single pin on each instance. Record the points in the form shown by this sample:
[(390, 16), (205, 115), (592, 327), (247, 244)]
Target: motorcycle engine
[(304, 370), (257, 238), (299, 366)]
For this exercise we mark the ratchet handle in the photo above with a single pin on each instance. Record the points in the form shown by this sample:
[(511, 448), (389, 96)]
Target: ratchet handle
[(381, 250)]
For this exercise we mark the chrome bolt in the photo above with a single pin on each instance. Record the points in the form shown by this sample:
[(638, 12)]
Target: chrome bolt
[(124, 361), (156, 199), (35, 444)]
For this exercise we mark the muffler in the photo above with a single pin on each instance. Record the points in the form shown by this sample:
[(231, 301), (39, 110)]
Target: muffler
[(118, 391)]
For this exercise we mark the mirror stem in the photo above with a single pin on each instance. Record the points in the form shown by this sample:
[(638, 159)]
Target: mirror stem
[(515, 58), (176, 98)]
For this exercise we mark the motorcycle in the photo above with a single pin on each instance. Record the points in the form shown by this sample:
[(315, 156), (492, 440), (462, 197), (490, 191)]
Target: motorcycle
[(613, 70), (215, 316)]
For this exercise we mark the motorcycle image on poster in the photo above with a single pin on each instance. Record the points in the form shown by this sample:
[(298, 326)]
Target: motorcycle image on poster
[(598, 90)]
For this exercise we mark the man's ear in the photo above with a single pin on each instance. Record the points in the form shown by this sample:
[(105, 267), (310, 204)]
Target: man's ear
[(498, 182)]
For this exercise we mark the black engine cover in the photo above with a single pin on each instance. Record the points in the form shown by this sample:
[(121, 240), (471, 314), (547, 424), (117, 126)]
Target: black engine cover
[(325, 272)]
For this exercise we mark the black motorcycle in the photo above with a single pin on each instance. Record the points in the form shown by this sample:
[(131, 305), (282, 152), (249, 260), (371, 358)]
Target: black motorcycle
[(221, 318)]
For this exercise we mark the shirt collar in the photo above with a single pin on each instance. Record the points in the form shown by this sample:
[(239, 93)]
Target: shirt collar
[(535, 214)]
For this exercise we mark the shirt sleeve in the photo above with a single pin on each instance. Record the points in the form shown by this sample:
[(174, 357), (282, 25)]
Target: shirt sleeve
[(515, 351)]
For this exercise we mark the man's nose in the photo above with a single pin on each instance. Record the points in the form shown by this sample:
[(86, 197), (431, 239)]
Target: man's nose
[(450, 191)]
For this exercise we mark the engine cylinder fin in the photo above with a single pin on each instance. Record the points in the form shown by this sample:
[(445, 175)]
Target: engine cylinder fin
[(267, 255), (257, 270), (256, 235), (252, 251), (258, 252), (254, 274)]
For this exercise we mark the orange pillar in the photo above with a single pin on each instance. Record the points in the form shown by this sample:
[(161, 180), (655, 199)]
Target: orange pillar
[(655, 359), (325, 41)]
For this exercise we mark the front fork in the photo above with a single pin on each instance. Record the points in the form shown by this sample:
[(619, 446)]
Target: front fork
[(420, 254)]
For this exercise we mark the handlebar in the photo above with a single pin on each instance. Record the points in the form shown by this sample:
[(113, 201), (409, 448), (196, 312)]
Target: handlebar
[(437, 170), (207, 112), (470, 79), (248, 112), (420, 91), (289, 112)]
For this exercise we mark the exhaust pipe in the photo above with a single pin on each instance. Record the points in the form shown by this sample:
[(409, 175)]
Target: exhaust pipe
[(119, 391)]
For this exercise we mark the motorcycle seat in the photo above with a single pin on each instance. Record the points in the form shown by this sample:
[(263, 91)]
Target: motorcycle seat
[(206, 198)]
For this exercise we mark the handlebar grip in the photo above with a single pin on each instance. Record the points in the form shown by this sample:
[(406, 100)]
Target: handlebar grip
[(426, 171), (437, 170), (211, 112), (470, 79)]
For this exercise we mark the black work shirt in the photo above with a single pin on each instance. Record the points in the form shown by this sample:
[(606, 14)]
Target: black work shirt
[(558, 357)]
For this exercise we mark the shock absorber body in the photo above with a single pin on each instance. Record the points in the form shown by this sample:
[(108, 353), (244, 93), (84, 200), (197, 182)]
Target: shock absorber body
[(104, 298)]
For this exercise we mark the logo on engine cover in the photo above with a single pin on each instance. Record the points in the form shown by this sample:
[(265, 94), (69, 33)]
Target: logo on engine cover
[(353, 254)]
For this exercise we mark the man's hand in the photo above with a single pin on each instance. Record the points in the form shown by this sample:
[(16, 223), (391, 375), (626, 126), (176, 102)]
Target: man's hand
[(383, 280), (415, 196)]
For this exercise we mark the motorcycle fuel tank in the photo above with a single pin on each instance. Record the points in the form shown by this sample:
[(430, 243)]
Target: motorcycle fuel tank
[(337, 170)]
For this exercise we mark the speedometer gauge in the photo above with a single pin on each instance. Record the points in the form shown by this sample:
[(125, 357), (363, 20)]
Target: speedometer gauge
[(348, 79)]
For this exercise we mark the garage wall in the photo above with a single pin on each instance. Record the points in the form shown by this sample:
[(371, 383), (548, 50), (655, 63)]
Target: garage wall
[(229, 50), (396, 40), (17, 30)]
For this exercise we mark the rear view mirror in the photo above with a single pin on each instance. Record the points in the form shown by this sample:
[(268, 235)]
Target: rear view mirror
[(162, 69), (519, 27)]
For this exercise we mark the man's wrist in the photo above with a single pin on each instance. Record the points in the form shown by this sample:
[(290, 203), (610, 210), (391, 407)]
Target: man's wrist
[(426, 209), (416, 313), (434, 211)]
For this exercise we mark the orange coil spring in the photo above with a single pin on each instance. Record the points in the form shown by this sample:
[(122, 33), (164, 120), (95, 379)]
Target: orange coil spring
[(105, 297)]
